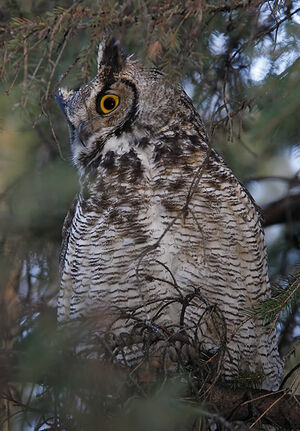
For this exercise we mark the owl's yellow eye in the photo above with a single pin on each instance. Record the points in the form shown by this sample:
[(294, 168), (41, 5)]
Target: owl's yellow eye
[(109, 103)]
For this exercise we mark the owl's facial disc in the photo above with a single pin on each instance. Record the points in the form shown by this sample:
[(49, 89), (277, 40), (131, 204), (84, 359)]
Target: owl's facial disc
[(116, 108), (104, 108)]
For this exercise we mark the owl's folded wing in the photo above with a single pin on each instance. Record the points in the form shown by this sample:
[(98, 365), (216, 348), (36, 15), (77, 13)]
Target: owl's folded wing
[(66, 233)]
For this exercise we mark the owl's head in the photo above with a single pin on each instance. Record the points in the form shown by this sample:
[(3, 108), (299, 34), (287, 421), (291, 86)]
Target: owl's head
[(121, 105)]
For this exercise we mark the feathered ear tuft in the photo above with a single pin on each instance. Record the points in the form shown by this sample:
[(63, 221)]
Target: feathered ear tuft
[(109, 55)]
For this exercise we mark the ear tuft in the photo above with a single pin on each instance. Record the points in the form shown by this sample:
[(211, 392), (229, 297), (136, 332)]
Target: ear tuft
[(109, 55)]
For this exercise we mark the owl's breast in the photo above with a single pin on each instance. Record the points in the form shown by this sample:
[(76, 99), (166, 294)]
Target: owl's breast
[(141, 223), (146, 243)]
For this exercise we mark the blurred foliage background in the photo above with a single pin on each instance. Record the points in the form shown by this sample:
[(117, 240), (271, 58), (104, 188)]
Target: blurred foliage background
[(239, 62)]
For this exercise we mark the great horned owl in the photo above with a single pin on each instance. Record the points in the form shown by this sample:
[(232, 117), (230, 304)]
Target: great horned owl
[(162, 231)]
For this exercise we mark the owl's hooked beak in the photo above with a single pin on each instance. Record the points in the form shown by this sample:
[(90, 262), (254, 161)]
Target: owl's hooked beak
[(79, 130)]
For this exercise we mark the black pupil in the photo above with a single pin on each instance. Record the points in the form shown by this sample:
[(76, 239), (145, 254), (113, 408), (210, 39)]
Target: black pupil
[(109, 103)]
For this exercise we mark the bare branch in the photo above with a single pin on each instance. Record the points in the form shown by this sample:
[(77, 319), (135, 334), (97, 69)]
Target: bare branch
[(282, 211)]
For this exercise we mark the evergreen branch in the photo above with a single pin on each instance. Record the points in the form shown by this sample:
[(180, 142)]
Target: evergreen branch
[(281, 304)]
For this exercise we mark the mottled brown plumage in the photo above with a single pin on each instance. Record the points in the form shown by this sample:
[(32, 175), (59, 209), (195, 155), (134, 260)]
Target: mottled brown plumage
[(162, 233)]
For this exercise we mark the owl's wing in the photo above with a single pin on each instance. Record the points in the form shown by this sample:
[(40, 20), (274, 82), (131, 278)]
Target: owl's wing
[(66, 234)]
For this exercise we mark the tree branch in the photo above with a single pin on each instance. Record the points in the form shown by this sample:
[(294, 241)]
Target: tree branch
[(278, 408), (234, 404), (284, 210)]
